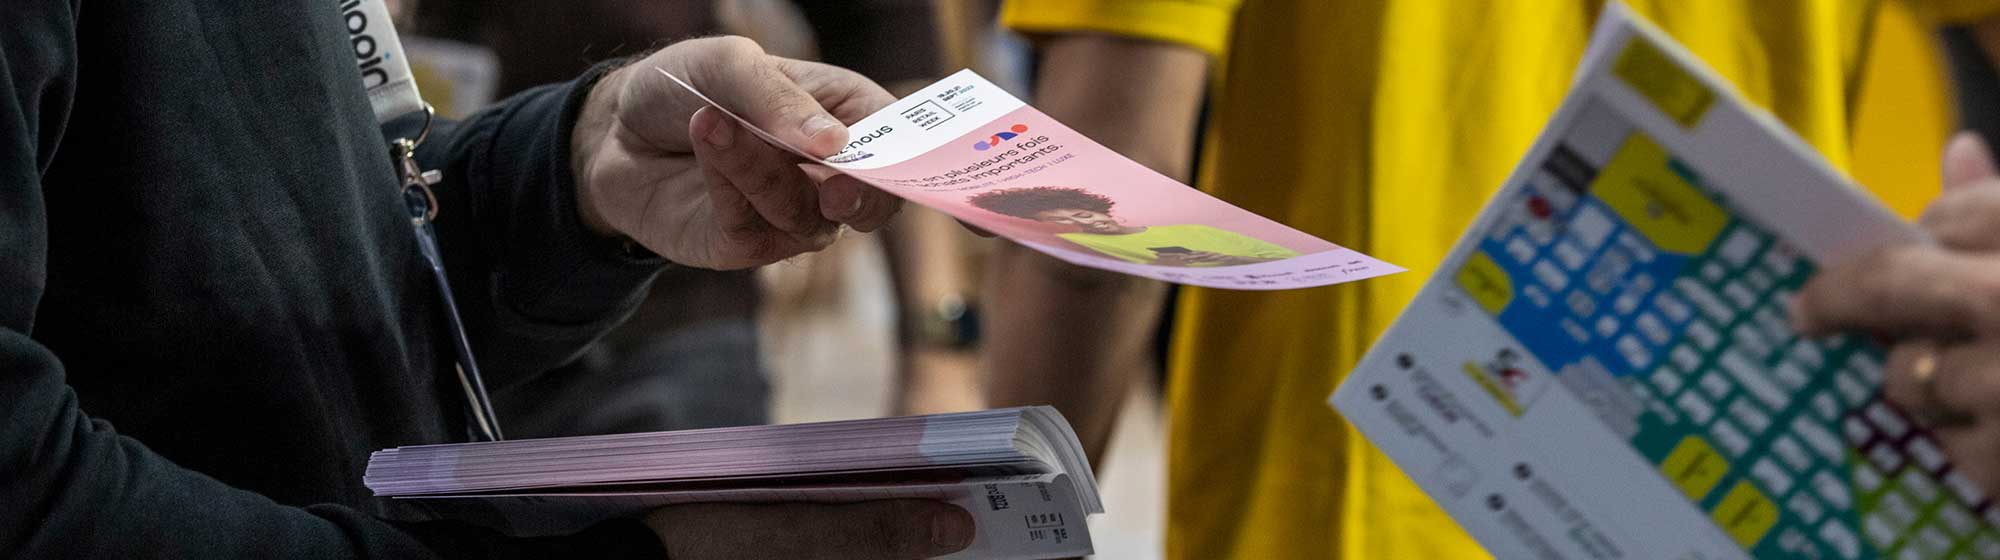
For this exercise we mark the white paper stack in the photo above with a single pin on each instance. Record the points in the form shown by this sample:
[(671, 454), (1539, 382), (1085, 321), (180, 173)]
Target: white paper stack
[(1020, 471)]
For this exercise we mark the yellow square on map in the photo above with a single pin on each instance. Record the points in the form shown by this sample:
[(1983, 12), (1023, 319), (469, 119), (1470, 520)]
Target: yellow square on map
[(1694, 467), (1746, 514), (1641, 186), (1486, 282), (1671, 88)]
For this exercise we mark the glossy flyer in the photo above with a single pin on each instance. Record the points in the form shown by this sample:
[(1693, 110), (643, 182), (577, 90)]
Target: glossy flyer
[(967, 148)]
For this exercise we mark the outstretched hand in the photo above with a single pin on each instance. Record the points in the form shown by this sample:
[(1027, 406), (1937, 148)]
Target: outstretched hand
[(654, 163)]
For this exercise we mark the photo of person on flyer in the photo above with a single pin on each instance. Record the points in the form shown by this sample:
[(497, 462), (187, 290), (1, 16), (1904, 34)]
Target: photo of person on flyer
[(1094, 227)]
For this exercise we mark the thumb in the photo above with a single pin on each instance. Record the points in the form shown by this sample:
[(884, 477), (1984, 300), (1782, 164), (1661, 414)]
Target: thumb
[(906, 529), (739, 75), (1967, 160)]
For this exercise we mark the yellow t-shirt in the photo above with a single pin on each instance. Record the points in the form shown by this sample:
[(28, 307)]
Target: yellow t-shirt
[(1203, 24), (1139, 247), (1384, 126)]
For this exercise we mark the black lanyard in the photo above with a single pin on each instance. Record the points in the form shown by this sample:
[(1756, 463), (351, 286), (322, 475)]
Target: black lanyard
[(422, 206)]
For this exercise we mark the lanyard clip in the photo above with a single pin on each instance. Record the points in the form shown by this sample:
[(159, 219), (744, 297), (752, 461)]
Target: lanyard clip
[(421, 202), (422, 206)]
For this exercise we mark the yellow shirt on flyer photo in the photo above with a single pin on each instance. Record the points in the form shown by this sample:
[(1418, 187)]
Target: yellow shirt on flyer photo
[(1154, 242)]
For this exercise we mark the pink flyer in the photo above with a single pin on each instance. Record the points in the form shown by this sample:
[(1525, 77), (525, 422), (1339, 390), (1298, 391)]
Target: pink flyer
[(967, 148)]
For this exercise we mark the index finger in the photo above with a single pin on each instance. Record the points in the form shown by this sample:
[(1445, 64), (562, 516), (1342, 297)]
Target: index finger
[(1903, 291), (740, 76)]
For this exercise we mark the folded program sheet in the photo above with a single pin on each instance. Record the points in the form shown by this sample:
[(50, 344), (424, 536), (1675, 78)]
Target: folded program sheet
[(1603, 366), (967, 148)]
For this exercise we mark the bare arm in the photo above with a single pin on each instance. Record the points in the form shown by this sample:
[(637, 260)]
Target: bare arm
[(1065, 335), (929, 254)]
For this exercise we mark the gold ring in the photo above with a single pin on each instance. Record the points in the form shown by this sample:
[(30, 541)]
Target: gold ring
[(1925, 368), (1933, 412)]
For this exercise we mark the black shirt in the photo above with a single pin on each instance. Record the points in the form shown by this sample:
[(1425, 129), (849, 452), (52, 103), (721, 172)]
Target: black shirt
[(211, 305)]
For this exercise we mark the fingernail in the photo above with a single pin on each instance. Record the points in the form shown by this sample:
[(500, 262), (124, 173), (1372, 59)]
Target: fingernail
[(722, 135), (1967, 159), (855, 208), (952, 530), (817, 124)]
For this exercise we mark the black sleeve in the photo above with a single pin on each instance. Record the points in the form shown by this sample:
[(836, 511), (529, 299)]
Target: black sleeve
[(885, 40), (534, 285), (70, 487), (1978, 85)]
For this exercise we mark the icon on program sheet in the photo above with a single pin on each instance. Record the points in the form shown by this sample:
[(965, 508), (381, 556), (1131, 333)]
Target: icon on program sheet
[(1540, 207), (1457, 476), (1506, 378), (1510, 373)]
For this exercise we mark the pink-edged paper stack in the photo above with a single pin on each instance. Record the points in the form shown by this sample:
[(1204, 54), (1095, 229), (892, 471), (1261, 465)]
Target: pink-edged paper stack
[(1020, 471)]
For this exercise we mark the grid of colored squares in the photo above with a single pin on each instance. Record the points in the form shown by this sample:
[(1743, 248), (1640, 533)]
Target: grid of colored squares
[(1786, 441), (1783, 440)]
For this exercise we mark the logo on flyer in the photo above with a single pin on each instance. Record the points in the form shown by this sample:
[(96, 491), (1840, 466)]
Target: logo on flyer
[(1001, 136), (853, 152)]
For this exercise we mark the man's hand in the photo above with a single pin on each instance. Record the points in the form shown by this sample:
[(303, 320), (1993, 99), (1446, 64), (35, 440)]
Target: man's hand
[(1940, 305), (655, 164), (887, 529)]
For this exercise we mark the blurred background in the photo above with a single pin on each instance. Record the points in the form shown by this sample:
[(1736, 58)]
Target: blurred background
[(892, 323)]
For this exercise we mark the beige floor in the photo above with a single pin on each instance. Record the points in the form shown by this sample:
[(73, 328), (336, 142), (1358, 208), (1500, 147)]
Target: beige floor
[(831, 361)]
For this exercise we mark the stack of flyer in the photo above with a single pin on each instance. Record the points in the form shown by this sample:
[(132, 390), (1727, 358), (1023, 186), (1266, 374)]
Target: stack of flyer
[(1019, 471), (1621, 378)]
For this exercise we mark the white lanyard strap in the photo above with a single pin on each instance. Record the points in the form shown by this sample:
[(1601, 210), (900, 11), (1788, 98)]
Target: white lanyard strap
[(379, 54)]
